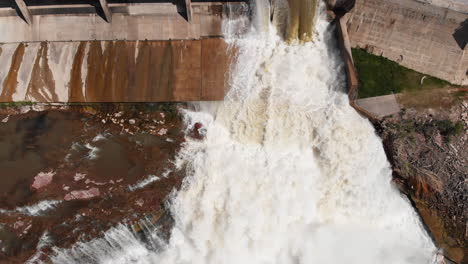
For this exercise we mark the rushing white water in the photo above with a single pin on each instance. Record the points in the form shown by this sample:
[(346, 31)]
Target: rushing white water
[(287, 173)]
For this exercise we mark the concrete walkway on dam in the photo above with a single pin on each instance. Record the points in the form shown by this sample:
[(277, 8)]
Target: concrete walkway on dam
[(125, 21), (380, 106), (114, 71)]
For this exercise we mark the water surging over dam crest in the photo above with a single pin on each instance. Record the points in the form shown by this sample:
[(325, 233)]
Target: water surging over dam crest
[(287, 172)]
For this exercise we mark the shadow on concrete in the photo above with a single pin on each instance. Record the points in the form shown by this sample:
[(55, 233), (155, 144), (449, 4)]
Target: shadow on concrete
[(343, 6), (91, 3), (18, 11), (461, 34)]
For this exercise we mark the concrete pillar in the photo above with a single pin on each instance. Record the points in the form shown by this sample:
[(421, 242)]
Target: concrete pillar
[(188, 8), (107, 12), (24, 11)]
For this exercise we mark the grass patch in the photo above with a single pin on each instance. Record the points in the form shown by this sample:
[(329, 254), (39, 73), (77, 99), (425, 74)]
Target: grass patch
[(449, 128), (16, 104), (381, 76)]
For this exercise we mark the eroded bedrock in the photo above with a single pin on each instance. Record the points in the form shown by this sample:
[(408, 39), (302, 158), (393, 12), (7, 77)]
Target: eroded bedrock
[(71, 173), (114, 71)]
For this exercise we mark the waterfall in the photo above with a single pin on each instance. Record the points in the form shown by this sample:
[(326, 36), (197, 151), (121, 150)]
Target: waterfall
[(287, 172), (302, 18)]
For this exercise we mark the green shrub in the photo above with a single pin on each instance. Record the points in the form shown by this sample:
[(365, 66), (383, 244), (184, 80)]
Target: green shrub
[(449, 128)]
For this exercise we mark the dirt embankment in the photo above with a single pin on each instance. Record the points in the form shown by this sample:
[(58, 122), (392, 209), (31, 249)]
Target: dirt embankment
[(428, 150)]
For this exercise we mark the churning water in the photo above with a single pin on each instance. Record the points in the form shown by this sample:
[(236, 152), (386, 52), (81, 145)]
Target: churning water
[(287, 172)]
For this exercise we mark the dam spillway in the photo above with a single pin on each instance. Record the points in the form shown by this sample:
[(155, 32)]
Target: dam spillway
[(301, 13), (286, 171)]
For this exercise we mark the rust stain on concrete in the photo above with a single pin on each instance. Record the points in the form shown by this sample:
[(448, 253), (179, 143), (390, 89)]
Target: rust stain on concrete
[(11, 81), (153, 72), (215, 65), (76, 84), (187, 70), (94, 79), (127, 71), (42, 86)]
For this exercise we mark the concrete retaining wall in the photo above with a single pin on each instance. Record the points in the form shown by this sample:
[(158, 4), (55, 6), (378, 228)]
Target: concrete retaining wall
[(416, 35), (114, 71), (352, 81)]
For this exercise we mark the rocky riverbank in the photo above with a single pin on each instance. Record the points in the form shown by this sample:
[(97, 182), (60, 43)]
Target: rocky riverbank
[(428, 150), (71, 172)]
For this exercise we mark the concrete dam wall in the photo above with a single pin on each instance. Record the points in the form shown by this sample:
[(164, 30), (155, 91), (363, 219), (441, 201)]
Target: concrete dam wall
[(423, 37), (138, 51), (114, 71), (135, 21)]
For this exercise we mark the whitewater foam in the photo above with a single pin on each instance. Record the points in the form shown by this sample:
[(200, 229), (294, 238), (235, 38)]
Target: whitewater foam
[(287, 172), (148, 180)]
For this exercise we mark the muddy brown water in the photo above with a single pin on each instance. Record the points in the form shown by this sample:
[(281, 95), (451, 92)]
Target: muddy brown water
[(102, 151)]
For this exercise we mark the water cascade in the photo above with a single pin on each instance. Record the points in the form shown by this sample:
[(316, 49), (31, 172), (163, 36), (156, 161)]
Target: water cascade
[(287, 171), (302, 18)]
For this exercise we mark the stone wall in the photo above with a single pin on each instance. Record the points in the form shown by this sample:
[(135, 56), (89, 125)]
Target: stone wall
[(114, 71), (416, 35)]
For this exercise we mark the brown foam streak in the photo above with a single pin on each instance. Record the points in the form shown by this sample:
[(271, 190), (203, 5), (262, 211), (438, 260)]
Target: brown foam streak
[(95, 76)]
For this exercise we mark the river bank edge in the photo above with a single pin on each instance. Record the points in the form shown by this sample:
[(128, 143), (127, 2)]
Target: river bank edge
[(451, 241)]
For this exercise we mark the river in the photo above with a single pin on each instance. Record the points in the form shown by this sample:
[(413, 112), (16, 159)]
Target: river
[(287, 171)]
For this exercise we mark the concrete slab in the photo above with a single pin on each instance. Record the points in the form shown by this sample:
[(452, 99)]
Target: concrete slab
[(380, 106)]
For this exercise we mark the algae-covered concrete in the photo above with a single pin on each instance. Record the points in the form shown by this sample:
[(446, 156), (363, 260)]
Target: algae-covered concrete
[(114, 71)]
